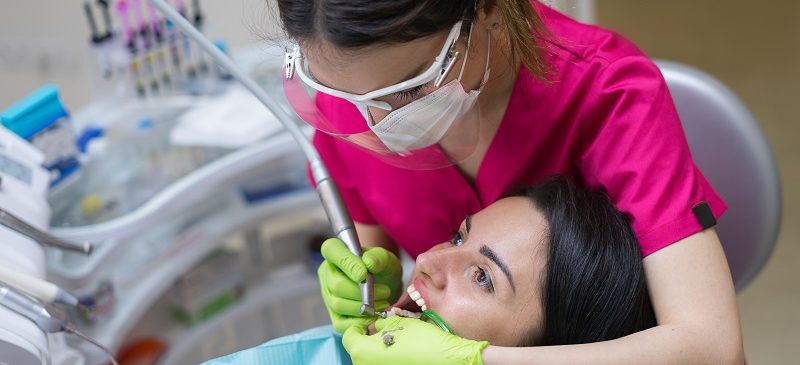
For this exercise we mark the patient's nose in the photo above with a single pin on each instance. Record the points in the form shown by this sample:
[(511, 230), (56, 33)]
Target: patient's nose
[(435, 264)]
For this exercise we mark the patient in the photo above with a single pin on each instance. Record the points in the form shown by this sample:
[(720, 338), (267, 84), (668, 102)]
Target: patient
[(551, 265), (554, 264)]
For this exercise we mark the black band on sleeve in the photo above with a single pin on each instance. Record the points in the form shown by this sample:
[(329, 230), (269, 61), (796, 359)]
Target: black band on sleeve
[(704, 215)]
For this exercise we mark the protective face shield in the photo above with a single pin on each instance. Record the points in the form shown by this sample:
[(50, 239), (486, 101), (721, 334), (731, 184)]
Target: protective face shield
[(433, 131)]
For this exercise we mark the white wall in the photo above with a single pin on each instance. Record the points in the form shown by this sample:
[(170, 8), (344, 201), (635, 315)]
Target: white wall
[(46, 41), (582, 10)]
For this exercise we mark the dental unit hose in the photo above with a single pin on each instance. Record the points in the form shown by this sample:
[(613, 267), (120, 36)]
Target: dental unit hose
[(39, 315), (40, 289), (328, 193)]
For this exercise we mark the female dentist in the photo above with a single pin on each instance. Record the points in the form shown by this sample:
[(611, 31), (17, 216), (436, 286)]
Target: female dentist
[(432, 110)]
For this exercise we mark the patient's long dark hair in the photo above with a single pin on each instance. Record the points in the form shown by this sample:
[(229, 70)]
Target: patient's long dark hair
[(594, 289)]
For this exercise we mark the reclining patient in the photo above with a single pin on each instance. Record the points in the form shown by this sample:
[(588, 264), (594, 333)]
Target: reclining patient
[(551, 265)]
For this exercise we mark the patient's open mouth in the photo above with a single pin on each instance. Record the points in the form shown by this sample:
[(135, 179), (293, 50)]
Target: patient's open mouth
[(417, 297), (411, 300)]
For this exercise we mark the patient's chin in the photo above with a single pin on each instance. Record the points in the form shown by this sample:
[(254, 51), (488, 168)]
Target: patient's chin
[(371, 329)]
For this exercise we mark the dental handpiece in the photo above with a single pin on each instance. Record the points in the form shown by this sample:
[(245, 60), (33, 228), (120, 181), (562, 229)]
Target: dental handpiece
[(328, 193), (43, 290), (344, 229), (39, 315), (30, 309)]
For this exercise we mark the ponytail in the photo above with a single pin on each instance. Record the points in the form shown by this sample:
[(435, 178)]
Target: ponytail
[(526, 34)]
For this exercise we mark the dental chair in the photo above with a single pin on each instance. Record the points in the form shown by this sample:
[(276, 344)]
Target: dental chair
[(729, 147)]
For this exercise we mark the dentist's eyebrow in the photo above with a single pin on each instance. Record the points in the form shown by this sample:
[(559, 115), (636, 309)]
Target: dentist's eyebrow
[(415, 72), (468, 221), (491, 255)]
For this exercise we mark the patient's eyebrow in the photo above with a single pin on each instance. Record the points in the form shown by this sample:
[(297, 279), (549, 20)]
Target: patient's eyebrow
[(491, 255)]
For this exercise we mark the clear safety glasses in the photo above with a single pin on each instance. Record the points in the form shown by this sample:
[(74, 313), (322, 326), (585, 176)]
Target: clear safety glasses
[(444, 143), (441, 67)]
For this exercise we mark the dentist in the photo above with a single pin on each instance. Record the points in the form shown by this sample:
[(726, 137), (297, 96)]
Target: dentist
[(428, 111)]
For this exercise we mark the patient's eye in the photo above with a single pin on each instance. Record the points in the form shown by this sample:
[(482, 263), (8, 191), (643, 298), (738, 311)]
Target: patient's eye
[(457, 238), (483, 279)]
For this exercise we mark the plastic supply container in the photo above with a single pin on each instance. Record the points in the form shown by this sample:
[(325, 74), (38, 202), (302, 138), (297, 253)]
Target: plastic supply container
[(156, 210)]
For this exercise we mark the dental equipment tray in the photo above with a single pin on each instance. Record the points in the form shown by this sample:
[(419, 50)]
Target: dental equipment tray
[(131, 163)]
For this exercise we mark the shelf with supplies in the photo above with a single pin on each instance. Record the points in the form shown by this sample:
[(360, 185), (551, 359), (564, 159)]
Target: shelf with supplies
[(147, 274), (158, 190)]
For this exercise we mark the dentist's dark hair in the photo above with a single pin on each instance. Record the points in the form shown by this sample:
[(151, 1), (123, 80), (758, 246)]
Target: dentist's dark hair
[(594, 286), (358, 24)]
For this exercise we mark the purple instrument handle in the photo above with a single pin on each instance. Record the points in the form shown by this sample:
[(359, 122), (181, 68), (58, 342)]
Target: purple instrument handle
[(122, 10)]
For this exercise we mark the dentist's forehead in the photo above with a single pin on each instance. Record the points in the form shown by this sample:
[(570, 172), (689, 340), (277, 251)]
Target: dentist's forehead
[(362, 71)]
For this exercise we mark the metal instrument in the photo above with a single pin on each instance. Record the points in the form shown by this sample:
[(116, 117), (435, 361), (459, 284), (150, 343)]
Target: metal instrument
[(328, 193), (11, 221)]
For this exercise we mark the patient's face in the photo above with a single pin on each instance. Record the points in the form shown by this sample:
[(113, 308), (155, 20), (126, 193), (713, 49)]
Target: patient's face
[(486, 282)]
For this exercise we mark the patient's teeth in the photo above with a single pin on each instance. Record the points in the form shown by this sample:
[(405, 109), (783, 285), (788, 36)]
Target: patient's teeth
[(403, 313), (424, 307), (415, 295)]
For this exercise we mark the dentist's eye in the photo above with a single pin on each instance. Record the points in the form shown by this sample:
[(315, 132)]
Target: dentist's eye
[(457, 238), (410, 94), (483, 279)]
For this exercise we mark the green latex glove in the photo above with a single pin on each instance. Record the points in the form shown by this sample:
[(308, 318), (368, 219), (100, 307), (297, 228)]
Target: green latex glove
[(340, 274), (415, 342)]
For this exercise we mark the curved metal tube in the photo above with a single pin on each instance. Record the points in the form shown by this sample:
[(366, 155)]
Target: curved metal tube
[(329, 194), (20, 226)]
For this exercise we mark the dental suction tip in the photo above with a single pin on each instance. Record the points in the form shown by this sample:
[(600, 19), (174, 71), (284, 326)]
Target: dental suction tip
[(431, 316)]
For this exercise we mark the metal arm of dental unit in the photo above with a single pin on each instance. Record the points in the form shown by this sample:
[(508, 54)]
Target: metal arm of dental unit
[(11, 221), (328, 193), (38, 314)]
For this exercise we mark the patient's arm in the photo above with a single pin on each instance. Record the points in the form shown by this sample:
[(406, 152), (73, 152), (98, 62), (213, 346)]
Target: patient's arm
[(695, 304)]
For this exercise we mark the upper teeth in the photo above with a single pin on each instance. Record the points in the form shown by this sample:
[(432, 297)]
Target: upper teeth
[(415, 295)]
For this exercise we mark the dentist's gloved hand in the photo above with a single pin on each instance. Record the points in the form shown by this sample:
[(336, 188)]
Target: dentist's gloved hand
[(340, 274), (413, 342)]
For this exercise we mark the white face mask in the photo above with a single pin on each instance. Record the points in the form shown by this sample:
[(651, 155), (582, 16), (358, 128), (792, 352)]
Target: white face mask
[(425, 121)]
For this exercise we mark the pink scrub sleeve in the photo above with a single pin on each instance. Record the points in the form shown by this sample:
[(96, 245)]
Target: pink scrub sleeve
[(636, 150), (337, 166)]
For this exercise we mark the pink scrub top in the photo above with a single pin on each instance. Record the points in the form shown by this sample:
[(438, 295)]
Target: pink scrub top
[(606, 119)]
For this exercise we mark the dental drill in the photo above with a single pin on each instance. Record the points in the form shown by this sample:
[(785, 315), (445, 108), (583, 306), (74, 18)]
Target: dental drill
[(328, 193), (38, 314)]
